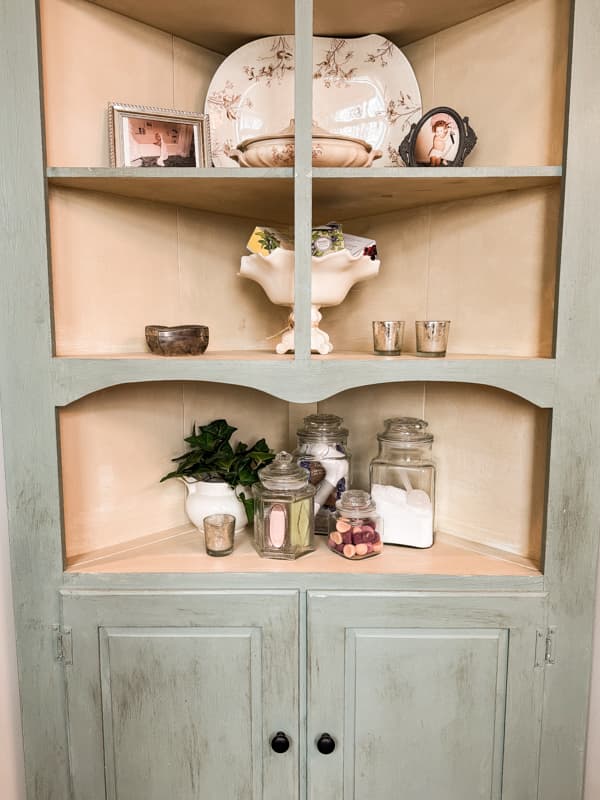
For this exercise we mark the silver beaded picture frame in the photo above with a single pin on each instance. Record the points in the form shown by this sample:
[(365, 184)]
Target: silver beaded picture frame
[(146, 136)]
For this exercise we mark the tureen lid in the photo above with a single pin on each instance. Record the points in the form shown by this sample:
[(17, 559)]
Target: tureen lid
[(289, 131)]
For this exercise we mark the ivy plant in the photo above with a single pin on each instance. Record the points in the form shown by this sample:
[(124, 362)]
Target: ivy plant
[(211, 457)]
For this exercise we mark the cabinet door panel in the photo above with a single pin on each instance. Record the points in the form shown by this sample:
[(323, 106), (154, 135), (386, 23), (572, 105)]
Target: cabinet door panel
[(424, 708), (428, 695), (168, 698), (178, 695)]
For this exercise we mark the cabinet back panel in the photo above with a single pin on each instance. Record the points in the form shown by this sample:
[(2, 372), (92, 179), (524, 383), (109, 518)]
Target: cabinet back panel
[(487, 264), (506, 70), (91, 57), (118, 443), (490, 448), (119, 265)]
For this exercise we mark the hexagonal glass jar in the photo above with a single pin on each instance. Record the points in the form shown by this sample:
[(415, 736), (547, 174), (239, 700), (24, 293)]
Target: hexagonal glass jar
[(284, 522)]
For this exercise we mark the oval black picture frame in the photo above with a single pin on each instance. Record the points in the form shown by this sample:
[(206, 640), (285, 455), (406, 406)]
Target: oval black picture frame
[(466, 134)]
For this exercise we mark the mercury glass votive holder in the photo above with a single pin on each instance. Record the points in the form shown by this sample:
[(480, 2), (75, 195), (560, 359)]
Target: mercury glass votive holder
[(387, 337), (432, 337), (218, 533)]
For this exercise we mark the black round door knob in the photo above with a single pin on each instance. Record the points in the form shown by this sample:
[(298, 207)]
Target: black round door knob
[(280, 742), (325, 744)]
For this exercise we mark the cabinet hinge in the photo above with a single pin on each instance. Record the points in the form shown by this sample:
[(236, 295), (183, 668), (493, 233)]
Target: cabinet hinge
[(545, 647), (63, 645)]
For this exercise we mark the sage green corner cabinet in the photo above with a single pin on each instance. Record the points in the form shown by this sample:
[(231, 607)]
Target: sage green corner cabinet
[(149, 669)]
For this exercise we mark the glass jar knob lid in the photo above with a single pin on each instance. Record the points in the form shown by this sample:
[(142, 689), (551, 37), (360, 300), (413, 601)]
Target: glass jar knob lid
[(405, 429), (283, 473), (355, 503), (323, 426)]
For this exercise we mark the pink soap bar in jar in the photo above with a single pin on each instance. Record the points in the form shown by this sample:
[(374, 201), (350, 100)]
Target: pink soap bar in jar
[(357, 527)]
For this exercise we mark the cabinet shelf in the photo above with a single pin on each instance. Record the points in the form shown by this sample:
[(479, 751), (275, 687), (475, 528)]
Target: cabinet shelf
[(182, 550), (223, 26), (220, 190), (305, 381), (337, 193), (349, 193)]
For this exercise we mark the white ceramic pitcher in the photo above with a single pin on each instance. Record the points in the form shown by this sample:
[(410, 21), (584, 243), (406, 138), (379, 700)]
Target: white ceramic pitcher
[(204, 498)]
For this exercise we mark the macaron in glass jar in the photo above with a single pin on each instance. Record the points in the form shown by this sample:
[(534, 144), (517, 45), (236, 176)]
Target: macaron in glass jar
[(357, 527)]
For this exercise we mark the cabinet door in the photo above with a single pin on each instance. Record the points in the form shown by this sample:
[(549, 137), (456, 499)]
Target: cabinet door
[(178, 695), (426, 696)]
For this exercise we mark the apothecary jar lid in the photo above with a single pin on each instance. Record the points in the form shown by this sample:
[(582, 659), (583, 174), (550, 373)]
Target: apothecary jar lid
[(323, 428), (355, 503), (284, 473), (405, 430)]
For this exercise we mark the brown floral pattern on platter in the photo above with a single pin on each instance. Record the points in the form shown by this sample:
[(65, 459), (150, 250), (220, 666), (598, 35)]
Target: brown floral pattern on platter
[(333, 70), (228, 101), (279, 62)]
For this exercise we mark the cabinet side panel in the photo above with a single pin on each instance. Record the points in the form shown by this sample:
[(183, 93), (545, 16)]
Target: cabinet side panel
[(574, 500), (28, 418)]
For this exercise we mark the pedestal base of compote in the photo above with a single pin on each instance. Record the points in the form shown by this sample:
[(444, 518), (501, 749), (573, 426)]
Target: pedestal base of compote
[(319, 340)]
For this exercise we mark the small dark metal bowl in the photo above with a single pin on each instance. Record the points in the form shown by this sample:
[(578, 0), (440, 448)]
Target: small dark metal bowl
[(180, 340)]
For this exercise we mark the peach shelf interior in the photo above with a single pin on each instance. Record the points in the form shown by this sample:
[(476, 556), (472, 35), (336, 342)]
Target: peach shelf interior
[(490, 448), (182, 550)]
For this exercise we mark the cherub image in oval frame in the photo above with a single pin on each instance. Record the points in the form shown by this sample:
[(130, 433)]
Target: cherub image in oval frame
[(441, 138)]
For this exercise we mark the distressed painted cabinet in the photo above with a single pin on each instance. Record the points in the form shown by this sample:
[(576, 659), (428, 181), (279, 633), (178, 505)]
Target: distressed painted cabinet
[(180, 695), (149, 669), (431, 695)]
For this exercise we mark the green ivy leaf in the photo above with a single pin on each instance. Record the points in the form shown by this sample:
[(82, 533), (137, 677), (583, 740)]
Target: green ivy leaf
[(211, 456)]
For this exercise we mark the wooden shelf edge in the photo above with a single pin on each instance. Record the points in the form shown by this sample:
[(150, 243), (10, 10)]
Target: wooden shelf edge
[(442, 174), (305, 381), (63, 175)]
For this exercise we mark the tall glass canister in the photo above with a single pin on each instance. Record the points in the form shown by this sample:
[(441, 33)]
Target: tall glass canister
[(323, 450), (284, 510), (403, 482)]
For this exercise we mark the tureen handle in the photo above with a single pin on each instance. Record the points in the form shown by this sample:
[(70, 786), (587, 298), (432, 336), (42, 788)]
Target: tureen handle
[(372, 156), (238, 156)]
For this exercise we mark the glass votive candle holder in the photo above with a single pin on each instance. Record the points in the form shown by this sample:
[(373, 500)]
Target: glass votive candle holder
[(218, 534), (432, 337), (387, 337)]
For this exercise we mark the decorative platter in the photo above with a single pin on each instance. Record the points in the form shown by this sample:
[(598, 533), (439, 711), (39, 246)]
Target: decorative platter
[(364, 88)]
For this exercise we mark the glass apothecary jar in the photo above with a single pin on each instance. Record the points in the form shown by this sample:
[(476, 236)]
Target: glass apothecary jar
[(323, 450), (403, 482), (357, 526), (283, 510)]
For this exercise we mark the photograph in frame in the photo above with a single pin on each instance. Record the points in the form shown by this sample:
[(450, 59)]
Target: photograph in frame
[(144, 136), (441, 138)]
